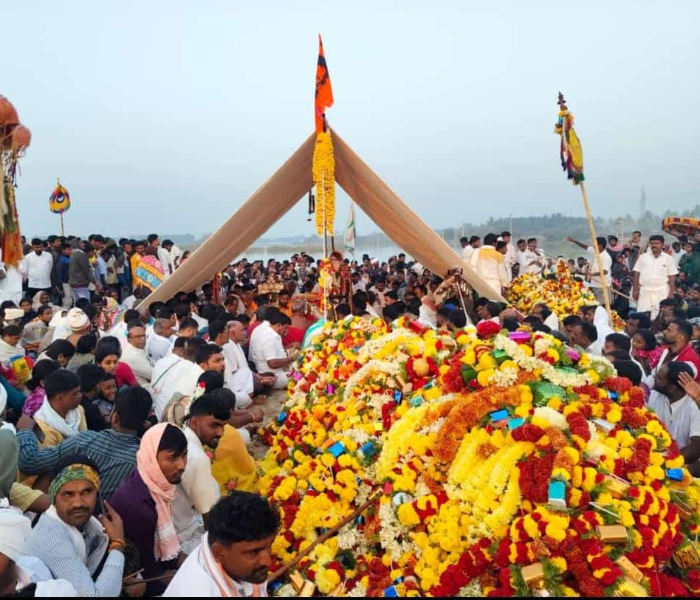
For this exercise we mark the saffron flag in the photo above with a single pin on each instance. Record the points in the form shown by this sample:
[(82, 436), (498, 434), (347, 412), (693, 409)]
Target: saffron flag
[(324, 91), (349, 238), (570, 151), (59, 202)]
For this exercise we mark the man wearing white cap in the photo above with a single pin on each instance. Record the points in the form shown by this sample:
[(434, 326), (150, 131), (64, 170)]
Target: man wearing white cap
[(13, 316), (79, 324)]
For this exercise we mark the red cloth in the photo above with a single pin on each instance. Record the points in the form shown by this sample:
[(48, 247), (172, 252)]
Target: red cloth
[(252, 327), (686, 355), (293, 335), (125, 376)]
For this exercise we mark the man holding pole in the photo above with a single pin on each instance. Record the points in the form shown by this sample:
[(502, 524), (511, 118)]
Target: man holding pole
[(595, 280), (654, 277)]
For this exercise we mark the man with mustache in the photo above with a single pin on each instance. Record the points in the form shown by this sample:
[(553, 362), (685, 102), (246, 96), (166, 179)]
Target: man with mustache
[(198, 490), (234, 557), (72, 543)]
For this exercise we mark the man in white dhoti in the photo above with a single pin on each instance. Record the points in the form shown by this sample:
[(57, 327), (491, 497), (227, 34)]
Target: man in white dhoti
[(654, 277)]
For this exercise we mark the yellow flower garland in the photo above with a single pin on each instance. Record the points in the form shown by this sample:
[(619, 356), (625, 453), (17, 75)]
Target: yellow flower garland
[(324, 179)]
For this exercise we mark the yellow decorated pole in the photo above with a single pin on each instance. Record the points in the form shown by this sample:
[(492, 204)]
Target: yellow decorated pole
[(571, 155), (59, 202)]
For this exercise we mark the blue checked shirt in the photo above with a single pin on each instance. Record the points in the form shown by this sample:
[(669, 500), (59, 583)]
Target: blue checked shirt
[(113, 453)]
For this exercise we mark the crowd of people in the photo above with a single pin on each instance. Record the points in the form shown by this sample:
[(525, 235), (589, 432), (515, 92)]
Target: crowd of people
[(125, 428)]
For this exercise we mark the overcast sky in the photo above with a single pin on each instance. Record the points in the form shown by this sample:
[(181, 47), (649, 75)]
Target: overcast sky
[(166, 115)]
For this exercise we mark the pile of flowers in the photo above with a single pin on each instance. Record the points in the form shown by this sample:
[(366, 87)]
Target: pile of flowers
[(503, 465), (563, 294)]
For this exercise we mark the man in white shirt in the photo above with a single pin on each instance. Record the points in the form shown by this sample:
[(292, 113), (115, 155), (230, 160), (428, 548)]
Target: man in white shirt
[(595, 284), (678, 411), (511, 253), (174, 254), (11, 282), (210, 357), (266, 349), (546, 315), (489, 264), (468, 249), (167, 371), (134, 353), (531, 260), (239, 377), (198, 491), (38, 266), (159, 342), (234, 557), (585, 336), (653, 277)]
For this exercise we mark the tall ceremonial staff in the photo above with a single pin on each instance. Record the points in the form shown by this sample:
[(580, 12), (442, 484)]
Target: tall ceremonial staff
[(571, 155), (323, 167)]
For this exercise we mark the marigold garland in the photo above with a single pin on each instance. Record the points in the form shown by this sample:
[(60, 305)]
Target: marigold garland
[(467, 464), (323, 169)]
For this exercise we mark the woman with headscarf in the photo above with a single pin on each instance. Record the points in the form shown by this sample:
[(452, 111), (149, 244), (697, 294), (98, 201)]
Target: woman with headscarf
[(145, 502), (40, 372)]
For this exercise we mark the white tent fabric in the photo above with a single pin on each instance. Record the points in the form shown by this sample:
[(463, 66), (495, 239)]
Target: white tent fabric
[(284, 189)]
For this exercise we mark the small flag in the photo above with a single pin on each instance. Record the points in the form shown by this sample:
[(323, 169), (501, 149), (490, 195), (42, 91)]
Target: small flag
[(59, 202), (349, 238), (324, 91), (570, 150)]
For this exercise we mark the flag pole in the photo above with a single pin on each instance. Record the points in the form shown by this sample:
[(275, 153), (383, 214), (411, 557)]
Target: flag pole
[(599, 258), (63, 233), (566, 119)]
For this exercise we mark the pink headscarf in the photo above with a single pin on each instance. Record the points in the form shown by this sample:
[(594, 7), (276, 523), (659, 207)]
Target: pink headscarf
[(166, 544)]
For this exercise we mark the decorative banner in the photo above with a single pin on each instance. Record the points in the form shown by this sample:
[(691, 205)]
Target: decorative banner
[(349, 239), (570, 150), (149, 273), (59, 202)]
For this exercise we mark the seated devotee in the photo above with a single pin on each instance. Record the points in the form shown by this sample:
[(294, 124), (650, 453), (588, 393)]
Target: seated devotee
[(17, 495), (119, 330), (108, 355), (584, 335), (677, 410), (235, 555), (629, 369), (134, 353), (36, 385), (267, 351), (546, 315), (79, 323), (167, 371), (199, 490), (112, 450), (248, 386), (60, 416), (72, 543), (491, 312), (636, 321), (646, 350), (106, 396), (90, 381), (457, 320), (210, 357), (232, 466), (61, 351), (24, 576), (84, 352), (145, 502), (679, 335)]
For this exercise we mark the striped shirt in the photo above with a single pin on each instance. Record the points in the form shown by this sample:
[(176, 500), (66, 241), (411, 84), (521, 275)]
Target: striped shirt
[(113, 453)]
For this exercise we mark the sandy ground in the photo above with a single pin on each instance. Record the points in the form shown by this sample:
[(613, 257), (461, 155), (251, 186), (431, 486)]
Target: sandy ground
[(272, 408)]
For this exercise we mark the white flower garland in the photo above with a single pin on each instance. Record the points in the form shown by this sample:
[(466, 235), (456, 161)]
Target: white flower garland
[(374, 366), (556, 376)]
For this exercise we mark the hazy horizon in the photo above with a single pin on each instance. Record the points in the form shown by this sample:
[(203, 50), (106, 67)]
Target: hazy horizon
[(177, 112)]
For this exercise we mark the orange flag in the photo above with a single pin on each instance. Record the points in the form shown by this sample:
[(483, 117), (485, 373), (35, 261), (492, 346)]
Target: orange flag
[(324, 91)]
